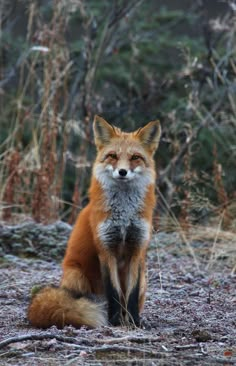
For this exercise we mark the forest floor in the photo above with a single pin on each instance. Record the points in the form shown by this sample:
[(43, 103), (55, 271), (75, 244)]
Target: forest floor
[(189, 316)]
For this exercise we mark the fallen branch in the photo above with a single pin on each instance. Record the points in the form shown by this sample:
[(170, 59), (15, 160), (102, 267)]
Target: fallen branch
[(74, 342), (187, 346), (116, 348), (37, 337), (128, 339)]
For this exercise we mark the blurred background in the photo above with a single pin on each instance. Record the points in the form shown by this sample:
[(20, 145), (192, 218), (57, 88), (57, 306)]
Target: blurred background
[(62, 61)]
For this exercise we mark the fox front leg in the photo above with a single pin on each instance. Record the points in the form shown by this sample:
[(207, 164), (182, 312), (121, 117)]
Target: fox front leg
[(112, 288), (135, 288), (133, 304)]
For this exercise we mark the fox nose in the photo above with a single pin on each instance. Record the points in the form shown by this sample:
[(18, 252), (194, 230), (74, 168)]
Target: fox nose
[(122, 172)]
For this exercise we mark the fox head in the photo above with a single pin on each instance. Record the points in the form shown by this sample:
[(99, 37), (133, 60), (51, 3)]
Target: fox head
[(125, 157)]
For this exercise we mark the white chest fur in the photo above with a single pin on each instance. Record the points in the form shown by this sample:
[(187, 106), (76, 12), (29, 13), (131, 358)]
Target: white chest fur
[(124, 226)]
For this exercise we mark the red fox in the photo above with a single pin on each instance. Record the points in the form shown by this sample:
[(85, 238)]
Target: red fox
[(107, 248)]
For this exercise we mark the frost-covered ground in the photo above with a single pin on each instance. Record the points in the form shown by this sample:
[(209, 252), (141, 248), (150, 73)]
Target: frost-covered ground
[(189, 316)]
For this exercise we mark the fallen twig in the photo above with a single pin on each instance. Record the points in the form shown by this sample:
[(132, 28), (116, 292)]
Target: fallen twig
[(116, 348), (128, 339), (187, 346), (37, 337), (74, 342)]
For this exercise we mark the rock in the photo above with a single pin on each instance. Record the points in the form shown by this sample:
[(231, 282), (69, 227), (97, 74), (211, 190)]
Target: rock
[(201, 335), (36, 240)]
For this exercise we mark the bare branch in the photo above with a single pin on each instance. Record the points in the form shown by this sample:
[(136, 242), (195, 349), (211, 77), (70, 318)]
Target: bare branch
[(74, 342), (177, 158), (36, 337)]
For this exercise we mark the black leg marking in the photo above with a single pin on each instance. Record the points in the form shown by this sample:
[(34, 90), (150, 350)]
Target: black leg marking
[(114, 306), (133, 304)]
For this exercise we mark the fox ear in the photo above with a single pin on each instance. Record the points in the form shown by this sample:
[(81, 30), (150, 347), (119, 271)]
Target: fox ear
[(150, 135), (103, 131)]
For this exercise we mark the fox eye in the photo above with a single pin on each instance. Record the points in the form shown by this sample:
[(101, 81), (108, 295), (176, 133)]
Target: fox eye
[(135, 157), (112, 156)]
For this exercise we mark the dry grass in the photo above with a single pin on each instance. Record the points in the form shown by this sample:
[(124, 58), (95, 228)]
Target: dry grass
[(32, 174), (38, 148), (206, 244), (50, 90)]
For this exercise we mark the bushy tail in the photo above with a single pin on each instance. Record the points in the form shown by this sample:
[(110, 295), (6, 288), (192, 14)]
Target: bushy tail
[(57, 306)]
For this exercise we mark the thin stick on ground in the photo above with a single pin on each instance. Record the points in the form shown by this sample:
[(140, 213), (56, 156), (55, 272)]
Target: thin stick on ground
[(128, 339), (73, 341), (37, 337)]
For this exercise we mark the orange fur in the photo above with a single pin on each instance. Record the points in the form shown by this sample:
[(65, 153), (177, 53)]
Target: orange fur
[(103, 256)]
